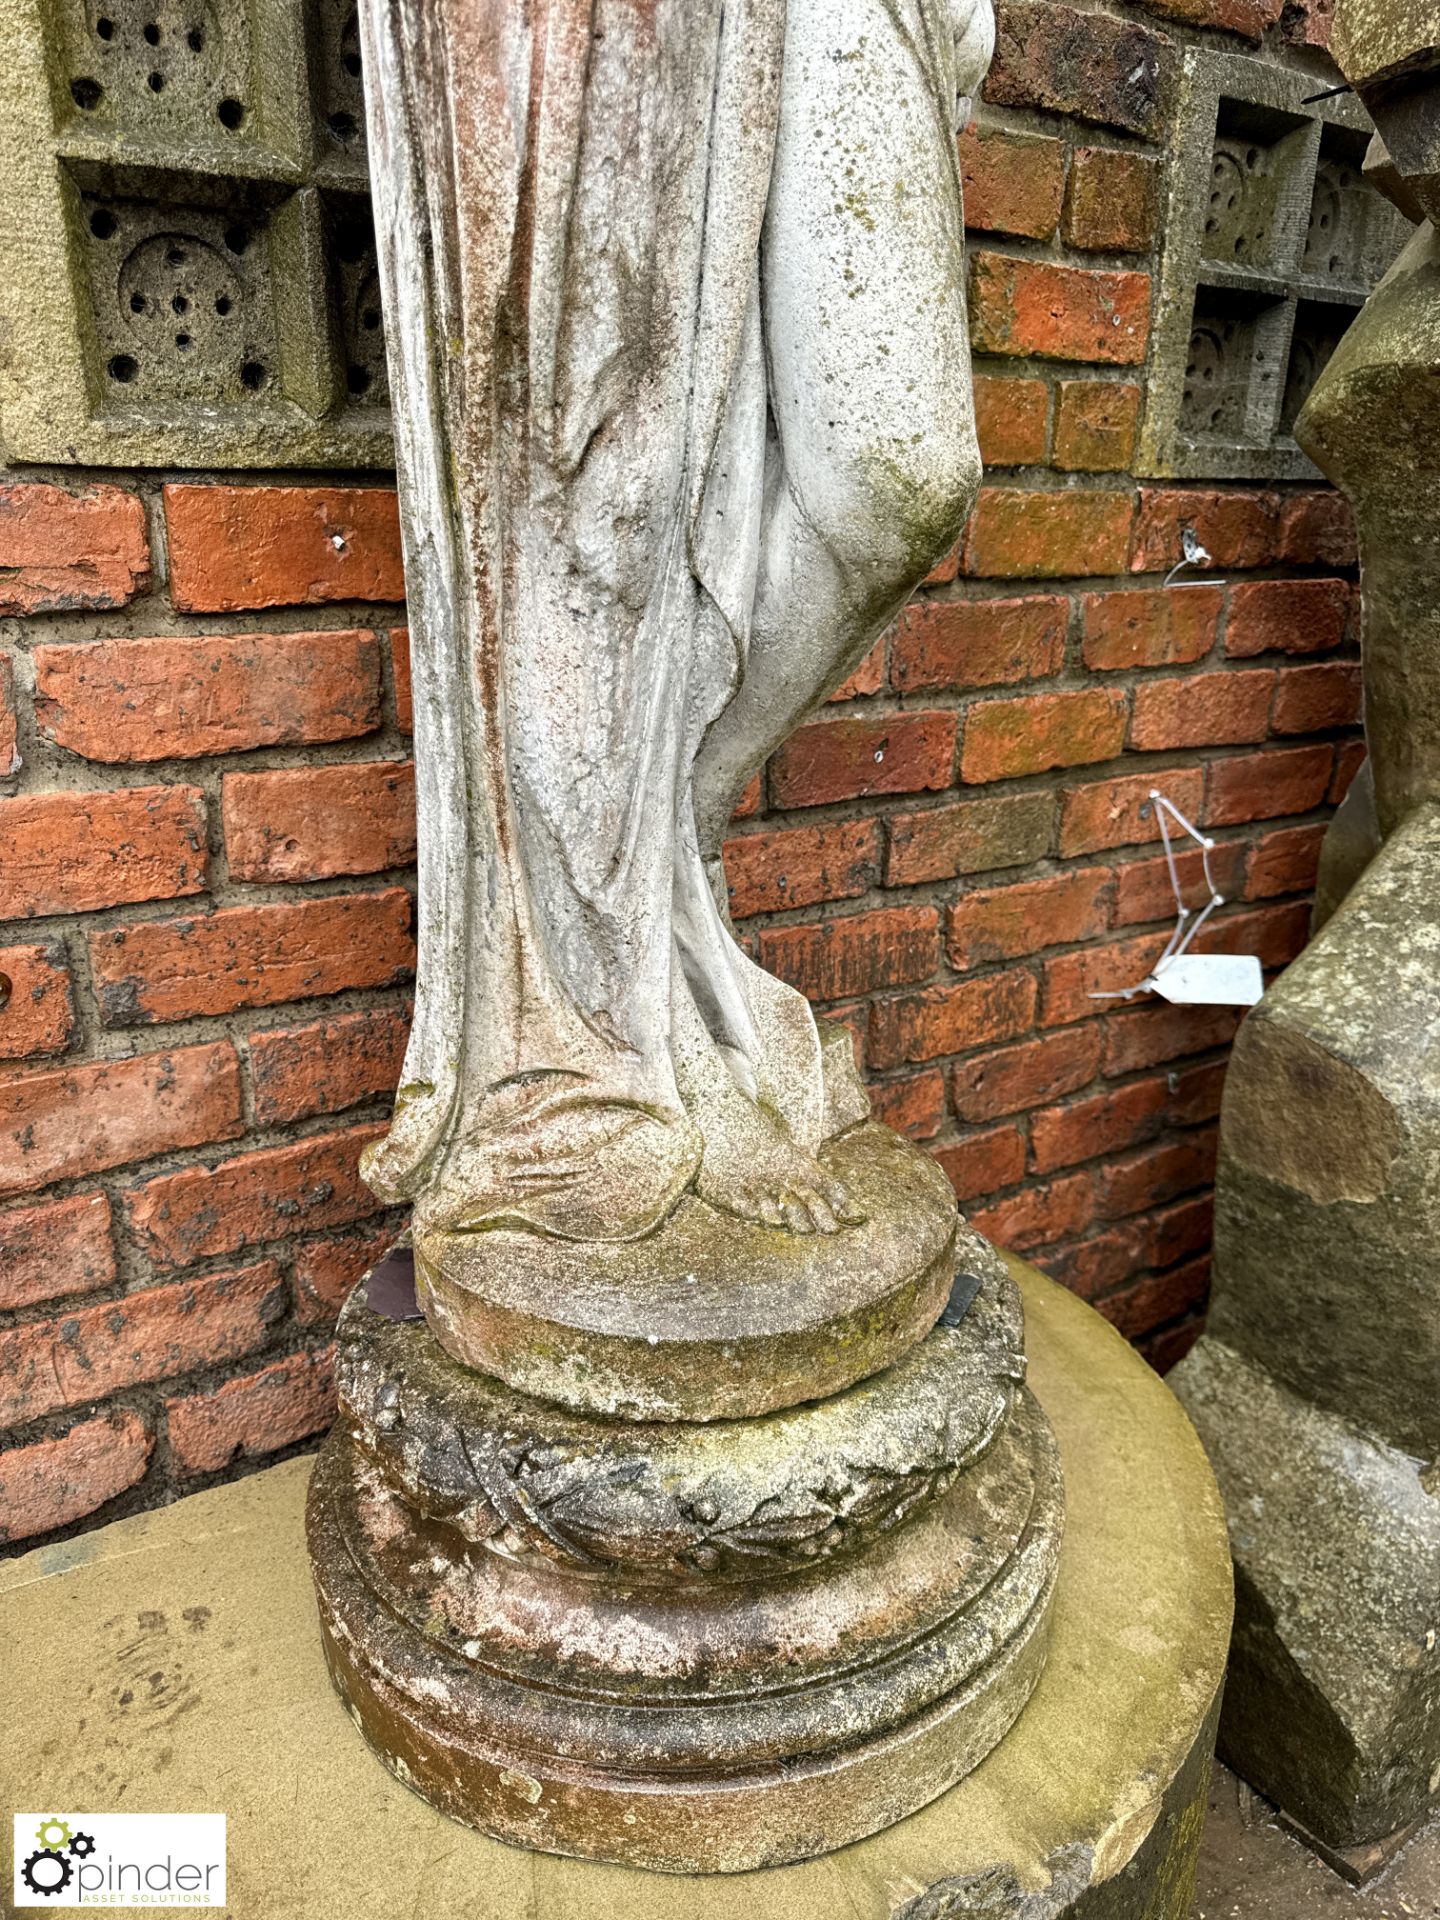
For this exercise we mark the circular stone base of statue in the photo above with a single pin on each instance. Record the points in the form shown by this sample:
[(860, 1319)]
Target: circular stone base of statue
[(690, 1647), (709, 1317)]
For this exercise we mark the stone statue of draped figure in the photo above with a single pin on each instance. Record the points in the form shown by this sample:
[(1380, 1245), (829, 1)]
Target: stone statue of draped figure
[(700, 1518), (680, 365)]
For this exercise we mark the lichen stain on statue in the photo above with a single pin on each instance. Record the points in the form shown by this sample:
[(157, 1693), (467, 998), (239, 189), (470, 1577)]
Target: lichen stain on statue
[(701, 419)]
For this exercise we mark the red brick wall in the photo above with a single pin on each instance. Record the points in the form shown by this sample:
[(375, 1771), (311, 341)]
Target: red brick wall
[(206, 831)]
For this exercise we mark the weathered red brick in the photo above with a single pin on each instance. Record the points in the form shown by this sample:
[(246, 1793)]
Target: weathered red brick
[(801, 866), (848, 759), (1315, 699), (78, 852), (1094, 1266), (1029, 1075), (751, 800), (1275, 934), (1151, 1033), (1012, 418), (943, 571), (1195, 1094), (404, 685), (312, 823), (80, 1120), (983, 1163), (154, 1335), (1237, 528), (1168, 1348), (1287, 616), (1307, 23), (914, 1105), (327, 1270), (1020, 534), (237, 548), (1143, 890), (1111, 72), (1051, 1210), (1285, 861), (1033, 307), (959, 644), (258, 1414), (1014, 182), (1071, 979), (251, 957), (1248, 18), (1178, 1231), (9, 720), (973, 836), (56, 1482), (326, 1066), (37, 1007), (1150, 628), (1156, 1174), (866, 679), (1203, 709), (1136, 1310), (1005, 923), (1095, 423), (58, 1247), (1349, 759), (1317, 529), (181, 1217), (123, 701), (1006, 738), (61, 552), (1263, 786), (1112, 200), (975, 1013), (856, 953), (1061, 1136), (1120, 812)]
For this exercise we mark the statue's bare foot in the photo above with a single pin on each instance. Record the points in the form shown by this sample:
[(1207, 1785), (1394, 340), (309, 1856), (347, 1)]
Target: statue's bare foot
[(750, 1165), (750, 1168)]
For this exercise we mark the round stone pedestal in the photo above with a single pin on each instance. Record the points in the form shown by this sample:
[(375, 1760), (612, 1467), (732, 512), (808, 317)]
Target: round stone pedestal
[(697, 1647), (709, 1317)]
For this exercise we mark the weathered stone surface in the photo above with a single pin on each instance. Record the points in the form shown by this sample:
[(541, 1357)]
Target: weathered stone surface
[(1100, 1782), (1370, 424), (709, 1318), (678, 1501), (596, 683), (1315, 1384), (1327, 1250), (1351, 842), (689, 1648), (1332, 1705)]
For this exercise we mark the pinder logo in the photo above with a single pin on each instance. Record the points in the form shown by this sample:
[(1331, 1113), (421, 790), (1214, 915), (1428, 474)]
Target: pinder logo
[(119, 1860)]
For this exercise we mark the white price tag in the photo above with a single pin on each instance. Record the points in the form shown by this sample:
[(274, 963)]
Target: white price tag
[(1210, 980)]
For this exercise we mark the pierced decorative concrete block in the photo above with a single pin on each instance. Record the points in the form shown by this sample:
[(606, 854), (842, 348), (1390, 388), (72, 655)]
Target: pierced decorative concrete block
[(1273, 239), (188, 255)]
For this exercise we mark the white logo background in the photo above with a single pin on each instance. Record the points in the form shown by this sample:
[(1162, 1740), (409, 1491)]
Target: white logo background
[(138, 1860)]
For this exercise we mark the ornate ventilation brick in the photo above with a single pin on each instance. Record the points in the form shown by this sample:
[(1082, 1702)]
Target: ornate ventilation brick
[(189, 236), (1273, 239)]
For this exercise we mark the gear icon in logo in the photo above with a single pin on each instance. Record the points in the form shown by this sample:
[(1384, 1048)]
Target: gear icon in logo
[(51, 1883), (82, 1846), (53, 1833)]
